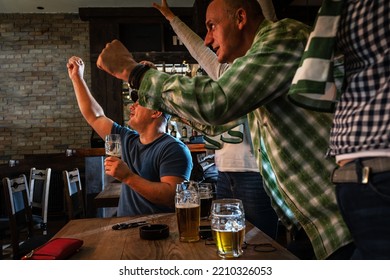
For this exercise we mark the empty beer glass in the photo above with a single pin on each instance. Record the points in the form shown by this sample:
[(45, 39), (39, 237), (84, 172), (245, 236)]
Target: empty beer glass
[(228, 227), (187, 206), (113, 145)]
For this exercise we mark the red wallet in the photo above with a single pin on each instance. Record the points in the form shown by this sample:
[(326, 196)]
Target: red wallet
[(55, 249)]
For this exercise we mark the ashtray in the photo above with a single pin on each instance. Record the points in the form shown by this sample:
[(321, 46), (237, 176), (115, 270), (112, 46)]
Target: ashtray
[(154, 231)]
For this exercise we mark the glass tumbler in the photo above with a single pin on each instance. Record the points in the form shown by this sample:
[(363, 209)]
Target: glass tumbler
[(187, 207), (228, 227), (206, 193), (113, 145)]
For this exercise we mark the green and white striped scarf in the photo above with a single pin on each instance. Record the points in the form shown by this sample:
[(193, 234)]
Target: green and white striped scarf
[(317, 82)]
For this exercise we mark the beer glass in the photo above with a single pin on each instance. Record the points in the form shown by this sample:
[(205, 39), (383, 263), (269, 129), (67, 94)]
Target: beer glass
[(113, 145), (228, 227), (206, 193), (187, 206)]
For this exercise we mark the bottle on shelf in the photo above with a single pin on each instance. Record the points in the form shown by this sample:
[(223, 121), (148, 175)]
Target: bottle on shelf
[(184, 133), (173, 70), (173, 132), (187, 69), (200, 71)]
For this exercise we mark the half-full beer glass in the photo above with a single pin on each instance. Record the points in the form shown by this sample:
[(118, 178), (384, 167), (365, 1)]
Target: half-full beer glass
[(228, 227), (187, 205)]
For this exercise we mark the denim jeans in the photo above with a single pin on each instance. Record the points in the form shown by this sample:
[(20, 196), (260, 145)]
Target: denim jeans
[(366, 211), (248, 186)]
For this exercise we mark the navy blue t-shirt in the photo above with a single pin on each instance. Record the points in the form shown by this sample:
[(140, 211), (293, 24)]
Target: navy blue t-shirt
[(166, 156)]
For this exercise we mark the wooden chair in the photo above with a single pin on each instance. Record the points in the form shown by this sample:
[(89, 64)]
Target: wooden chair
[(19, 212), (4, 232), (39, 196), (74, 197)]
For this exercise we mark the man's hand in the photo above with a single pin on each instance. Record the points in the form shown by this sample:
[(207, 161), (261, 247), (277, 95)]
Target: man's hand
[(116, 60), (117, 168), (164, 10), (75, 67)]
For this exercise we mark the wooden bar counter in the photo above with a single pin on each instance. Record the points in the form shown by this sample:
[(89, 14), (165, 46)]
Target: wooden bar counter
[(101, 242), (109, 197)]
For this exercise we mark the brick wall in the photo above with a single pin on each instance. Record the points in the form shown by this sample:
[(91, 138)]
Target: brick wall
[(38, 109)]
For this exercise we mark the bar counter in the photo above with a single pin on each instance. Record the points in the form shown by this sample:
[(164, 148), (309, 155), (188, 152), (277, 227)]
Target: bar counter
[(101, 242)]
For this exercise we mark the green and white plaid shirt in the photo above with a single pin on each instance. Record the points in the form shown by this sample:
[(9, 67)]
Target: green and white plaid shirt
[(295, 139)]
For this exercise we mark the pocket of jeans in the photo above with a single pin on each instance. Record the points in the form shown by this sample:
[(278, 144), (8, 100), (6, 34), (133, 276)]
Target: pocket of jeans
[(381, 184)]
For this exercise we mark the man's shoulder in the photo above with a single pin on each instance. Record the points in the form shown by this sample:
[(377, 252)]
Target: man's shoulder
[(168, 140), (286, 24), (171, 148)]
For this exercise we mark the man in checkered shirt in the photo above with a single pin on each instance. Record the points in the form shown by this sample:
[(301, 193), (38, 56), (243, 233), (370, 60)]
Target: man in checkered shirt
[(360, 136)]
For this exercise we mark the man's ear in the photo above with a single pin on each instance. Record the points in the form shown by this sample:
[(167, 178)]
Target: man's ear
[(241, 18), (157, 114)]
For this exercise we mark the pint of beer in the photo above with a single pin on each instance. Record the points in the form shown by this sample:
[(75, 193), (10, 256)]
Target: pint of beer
[(187, 205), (228, 227), (206, 193)]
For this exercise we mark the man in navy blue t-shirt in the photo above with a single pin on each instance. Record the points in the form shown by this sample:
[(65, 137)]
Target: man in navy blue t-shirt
[(152, 161)]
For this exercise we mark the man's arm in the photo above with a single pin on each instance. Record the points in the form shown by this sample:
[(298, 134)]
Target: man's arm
[(253, 80), (161, 193), (90, 109), (194, 44)]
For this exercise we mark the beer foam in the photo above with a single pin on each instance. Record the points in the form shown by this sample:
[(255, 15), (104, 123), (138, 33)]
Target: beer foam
[(187, 205)]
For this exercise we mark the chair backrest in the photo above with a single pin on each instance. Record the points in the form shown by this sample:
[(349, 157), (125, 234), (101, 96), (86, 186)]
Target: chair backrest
[(39, 194), (19, 209), (74, 196)]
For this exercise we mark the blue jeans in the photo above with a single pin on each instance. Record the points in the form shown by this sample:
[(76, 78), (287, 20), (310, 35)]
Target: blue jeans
[(248, 186), (366, 211)]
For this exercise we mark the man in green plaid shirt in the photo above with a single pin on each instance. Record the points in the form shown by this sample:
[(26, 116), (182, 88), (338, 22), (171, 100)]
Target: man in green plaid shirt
[(291, 142)]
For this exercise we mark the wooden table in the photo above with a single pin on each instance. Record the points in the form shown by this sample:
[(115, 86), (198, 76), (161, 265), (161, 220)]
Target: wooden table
[(109, 197), (103, 243)]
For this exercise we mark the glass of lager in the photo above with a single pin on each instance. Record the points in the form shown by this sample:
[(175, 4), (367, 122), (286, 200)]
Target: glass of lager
[(228, 227), (206, 193), (113, 145), (187, 206)]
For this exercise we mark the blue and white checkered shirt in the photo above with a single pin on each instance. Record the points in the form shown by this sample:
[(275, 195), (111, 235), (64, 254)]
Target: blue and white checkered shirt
[(362, 118)]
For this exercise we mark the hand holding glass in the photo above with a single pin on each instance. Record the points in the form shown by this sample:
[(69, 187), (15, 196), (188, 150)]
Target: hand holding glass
[(113, 145), (228, 227)]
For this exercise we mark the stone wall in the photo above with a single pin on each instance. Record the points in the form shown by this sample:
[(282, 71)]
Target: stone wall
[(38, 109)]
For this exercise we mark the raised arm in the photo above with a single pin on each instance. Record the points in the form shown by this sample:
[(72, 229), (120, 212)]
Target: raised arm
[(89, 107), (195, 45)]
